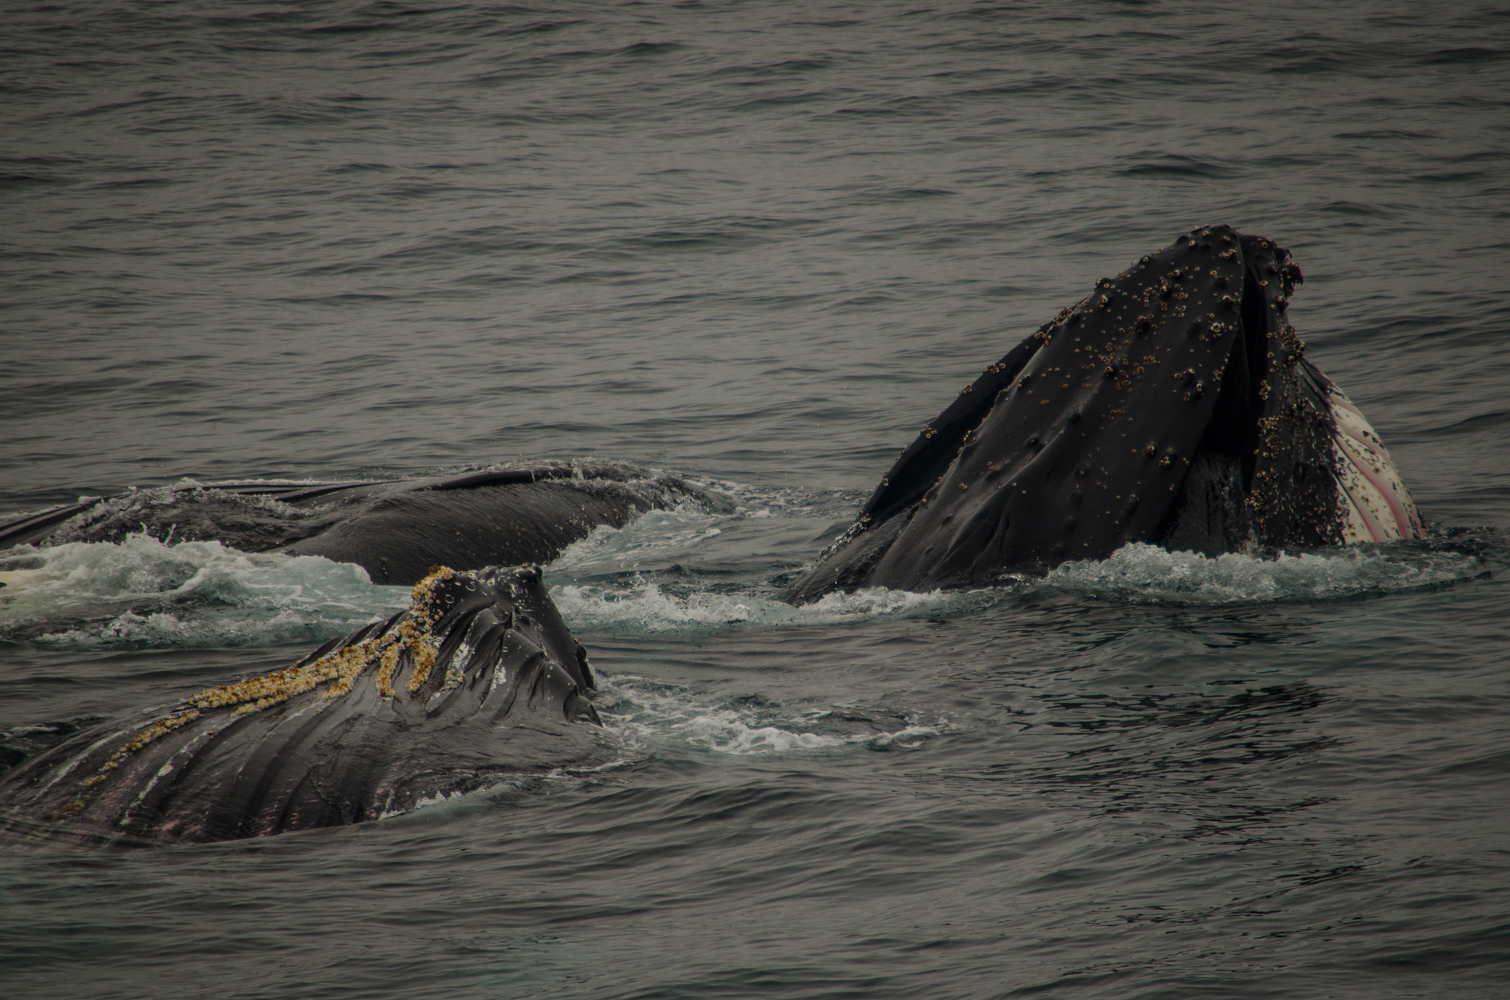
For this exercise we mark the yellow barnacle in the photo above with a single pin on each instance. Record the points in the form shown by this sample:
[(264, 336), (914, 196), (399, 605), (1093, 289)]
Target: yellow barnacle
[(424, 662), (158, 729), (386, 671), (70, 808), (343, 667)]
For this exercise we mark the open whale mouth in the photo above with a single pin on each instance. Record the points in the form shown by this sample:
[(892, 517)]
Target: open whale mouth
[(1173, 406)]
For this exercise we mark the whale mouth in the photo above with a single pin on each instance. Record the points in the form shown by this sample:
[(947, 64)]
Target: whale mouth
[(1172, 406)]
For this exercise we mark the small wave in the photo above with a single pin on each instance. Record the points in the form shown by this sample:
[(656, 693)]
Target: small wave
[(648, 714), (143, 592), (1148, 573), (1174, 165), (646, 606), (132, 630), (653, 537)]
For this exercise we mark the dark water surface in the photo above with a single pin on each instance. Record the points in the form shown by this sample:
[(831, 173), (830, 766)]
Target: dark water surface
[(758, 245)]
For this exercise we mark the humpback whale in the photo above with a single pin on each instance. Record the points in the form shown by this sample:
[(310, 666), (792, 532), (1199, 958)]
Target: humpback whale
[(478, 679), (1174, 405), (395, 529)]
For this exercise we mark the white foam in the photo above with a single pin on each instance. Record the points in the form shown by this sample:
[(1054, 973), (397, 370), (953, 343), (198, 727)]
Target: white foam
[(189, 594), (1146, 572), (653, 538), (647, 715), (645, 606)]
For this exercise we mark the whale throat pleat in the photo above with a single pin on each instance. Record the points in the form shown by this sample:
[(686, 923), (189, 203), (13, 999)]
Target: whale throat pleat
[(476, 679)]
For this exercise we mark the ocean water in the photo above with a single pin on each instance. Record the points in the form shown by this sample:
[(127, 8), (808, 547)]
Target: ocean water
[(758, 245)]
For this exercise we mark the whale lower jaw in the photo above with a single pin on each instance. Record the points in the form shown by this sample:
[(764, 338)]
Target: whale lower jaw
[(1377, 506)]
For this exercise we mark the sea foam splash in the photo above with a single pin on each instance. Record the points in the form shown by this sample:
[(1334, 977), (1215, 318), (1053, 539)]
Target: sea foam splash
[(646, 606), (647, 591), (655, 537), (144, 592), (648, 714), (1148, 573)]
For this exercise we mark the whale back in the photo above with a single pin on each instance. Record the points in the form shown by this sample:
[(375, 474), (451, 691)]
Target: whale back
[(395, 529), (477, 679)]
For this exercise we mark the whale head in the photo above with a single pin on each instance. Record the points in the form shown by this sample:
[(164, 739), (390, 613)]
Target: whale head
[(476, 680), (1174, 405)]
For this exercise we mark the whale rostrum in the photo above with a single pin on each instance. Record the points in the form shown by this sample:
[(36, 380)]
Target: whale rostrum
[(1174, 405)]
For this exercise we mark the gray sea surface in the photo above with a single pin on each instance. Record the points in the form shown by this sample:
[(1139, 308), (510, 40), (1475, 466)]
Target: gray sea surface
[(758, 245)]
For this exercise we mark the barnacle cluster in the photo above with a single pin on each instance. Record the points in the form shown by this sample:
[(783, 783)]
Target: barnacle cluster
[(159, 728), (340, 669)]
